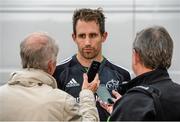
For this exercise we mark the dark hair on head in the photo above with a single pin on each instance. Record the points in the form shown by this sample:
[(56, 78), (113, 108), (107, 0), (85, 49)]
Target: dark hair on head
[(86, 14)]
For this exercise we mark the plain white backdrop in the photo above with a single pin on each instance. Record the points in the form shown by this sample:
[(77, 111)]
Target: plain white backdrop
[(123, 19)]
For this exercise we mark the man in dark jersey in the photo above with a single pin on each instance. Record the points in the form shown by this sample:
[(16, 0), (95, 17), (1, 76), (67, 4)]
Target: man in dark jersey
[(89, 34)]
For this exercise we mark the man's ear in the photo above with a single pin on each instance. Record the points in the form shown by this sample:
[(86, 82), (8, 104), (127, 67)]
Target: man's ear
[(51, 67), (74, 37), (104, 36), (137, 58)]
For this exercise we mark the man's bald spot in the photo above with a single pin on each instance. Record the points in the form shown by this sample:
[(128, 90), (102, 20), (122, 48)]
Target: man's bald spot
[(36, 40)]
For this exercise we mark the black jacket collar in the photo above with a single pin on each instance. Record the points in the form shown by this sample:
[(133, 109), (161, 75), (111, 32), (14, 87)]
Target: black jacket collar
[(151, 77), (145, 79)]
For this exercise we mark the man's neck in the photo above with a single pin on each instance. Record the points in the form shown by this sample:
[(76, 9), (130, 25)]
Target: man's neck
[(87, 62), (141, 70)]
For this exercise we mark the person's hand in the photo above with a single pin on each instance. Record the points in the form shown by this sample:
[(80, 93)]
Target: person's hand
[(93, 86), (116, 95), (109, 107)]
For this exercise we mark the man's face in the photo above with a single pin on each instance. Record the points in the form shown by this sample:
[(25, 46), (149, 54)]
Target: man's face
[(88, 39)]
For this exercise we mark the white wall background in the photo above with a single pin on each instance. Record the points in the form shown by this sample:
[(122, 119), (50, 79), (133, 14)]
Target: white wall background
[(124, 18)]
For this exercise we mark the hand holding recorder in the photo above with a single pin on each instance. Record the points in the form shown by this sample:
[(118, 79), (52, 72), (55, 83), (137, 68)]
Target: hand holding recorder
[(102, 91), (91, 79), (93, 86)]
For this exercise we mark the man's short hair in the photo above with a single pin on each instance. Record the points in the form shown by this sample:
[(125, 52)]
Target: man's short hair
[(37, 56), (155, 47), (87, 15)]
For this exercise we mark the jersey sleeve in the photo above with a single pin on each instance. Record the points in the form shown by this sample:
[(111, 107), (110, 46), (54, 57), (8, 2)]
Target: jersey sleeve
[(58, 76)]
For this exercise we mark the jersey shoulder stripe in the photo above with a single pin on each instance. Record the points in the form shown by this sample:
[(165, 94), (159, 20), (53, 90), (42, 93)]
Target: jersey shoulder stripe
[(66, 60), (117, 65)]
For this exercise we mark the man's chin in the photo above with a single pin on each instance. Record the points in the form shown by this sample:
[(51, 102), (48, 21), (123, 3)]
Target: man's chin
[(89, 56)]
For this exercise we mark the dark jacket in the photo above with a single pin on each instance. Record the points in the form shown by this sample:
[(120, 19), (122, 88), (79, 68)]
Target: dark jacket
[(69, 76), (139, 106)]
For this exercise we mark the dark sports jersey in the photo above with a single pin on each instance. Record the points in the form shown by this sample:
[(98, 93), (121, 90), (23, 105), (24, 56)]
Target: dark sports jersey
[(69, 76)]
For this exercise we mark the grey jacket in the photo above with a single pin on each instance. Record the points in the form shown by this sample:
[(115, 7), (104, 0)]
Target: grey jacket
[(33, 95)]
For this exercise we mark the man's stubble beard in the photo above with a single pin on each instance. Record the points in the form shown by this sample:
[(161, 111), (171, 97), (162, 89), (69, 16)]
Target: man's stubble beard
[(91, 55)]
